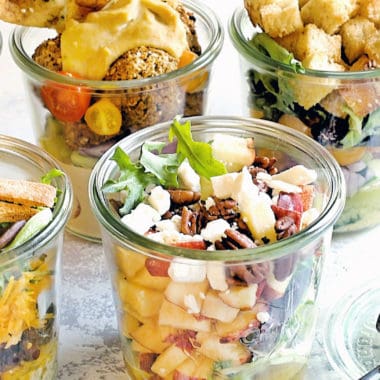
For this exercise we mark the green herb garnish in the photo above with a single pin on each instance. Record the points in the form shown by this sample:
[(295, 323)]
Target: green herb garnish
[(199, 154)]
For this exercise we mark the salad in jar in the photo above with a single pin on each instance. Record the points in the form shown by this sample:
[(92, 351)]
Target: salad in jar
[(28, 330), (201, 289), (315, 66)]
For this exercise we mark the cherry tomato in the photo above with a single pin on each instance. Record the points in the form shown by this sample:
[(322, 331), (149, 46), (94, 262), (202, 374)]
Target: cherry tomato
[(103, 118), (66, 102)]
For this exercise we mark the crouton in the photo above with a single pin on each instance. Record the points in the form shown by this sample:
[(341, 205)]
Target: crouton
[(370, 9), (362, 98), (309, 91), (334, 104), (278, 18), (355, 33), (314, 40), (372, 48), (363, 63), (253, 9), (328, 15)]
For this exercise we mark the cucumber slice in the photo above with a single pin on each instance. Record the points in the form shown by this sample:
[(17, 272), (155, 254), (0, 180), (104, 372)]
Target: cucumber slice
[(82, 161), (34, 225), (362, 210)]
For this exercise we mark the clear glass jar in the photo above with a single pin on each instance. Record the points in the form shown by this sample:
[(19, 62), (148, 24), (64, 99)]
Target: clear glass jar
[(30, 274), (142, 102), (152, 309), (340, 110)]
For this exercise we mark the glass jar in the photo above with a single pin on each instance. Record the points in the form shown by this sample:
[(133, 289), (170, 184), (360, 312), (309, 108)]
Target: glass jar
[(272, 333), (142, 102), (340, 110), (30, 274)]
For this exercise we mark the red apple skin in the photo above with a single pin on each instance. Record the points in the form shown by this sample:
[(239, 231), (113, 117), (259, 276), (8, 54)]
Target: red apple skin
[(146, 359), (198, 244), (260, 287), (181, 376), (157, 267)]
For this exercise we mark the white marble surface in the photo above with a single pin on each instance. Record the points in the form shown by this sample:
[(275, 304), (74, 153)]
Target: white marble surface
[(89, 345)]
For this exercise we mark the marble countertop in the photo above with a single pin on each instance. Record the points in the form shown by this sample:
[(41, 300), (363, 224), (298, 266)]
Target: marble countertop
[(89, 343)]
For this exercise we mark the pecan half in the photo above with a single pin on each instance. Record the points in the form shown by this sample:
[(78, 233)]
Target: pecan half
[(183, 197), (249, 274), (188, 221), (285, 227)]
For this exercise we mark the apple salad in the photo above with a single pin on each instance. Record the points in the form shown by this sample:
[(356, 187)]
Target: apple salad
[(199, 319)]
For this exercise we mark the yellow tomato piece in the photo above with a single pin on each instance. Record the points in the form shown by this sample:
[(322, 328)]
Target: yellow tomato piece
[(103, 118), (348, 156)]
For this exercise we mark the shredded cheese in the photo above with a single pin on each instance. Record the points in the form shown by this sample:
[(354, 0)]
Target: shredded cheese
[(18, 304)]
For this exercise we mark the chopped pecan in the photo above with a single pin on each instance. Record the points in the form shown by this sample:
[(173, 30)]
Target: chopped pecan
[(234, 240), (285, 227), (183, 197), (188, 221), (266, 163), (249, 274)]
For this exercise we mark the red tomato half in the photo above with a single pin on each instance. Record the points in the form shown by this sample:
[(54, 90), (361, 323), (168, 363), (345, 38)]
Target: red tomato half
[(66, 102)]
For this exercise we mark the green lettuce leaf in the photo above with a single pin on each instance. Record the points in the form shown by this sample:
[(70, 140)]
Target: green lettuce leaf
[(163, 166), (133, 179), (53, 173), (199, 154)]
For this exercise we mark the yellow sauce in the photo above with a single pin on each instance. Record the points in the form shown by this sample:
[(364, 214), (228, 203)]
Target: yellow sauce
[(89, 47)]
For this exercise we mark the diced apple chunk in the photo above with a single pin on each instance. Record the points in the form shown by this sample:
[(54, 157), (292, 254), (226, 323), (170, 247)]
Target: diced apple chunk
[(174, 316), (244, 323), (144, 278), (151, 337), (145, 301), (216, 275), (241, 297), (169, 360), (213, 307), (128, 324), (234, 352), (129, 262), (189, 296), (258, 214), (236, 152), (195, 368)]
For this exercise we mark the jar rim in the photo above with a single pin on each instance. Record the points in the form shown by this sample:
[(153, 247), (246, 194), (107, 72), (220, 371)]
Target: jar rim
[(40, 159), (240, 18), (208, 55), (127, 237)]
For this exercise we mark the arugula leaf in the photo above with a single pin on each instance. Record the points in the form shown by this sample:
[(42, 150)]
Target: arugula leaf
[(267, 45), (198, 153), (163, 166), (53, 173), (133, 179)]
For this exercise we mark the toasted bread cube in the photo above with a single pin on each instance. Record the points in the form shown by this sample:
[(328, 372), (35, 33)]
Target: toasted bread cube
[(371, 9), (314, 40), (328, 15), (279, 20), (289, 42), (253, 8), (363, 63), (334, 104), (309, 91), (372, 47), (355, 33), (277, 17)]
